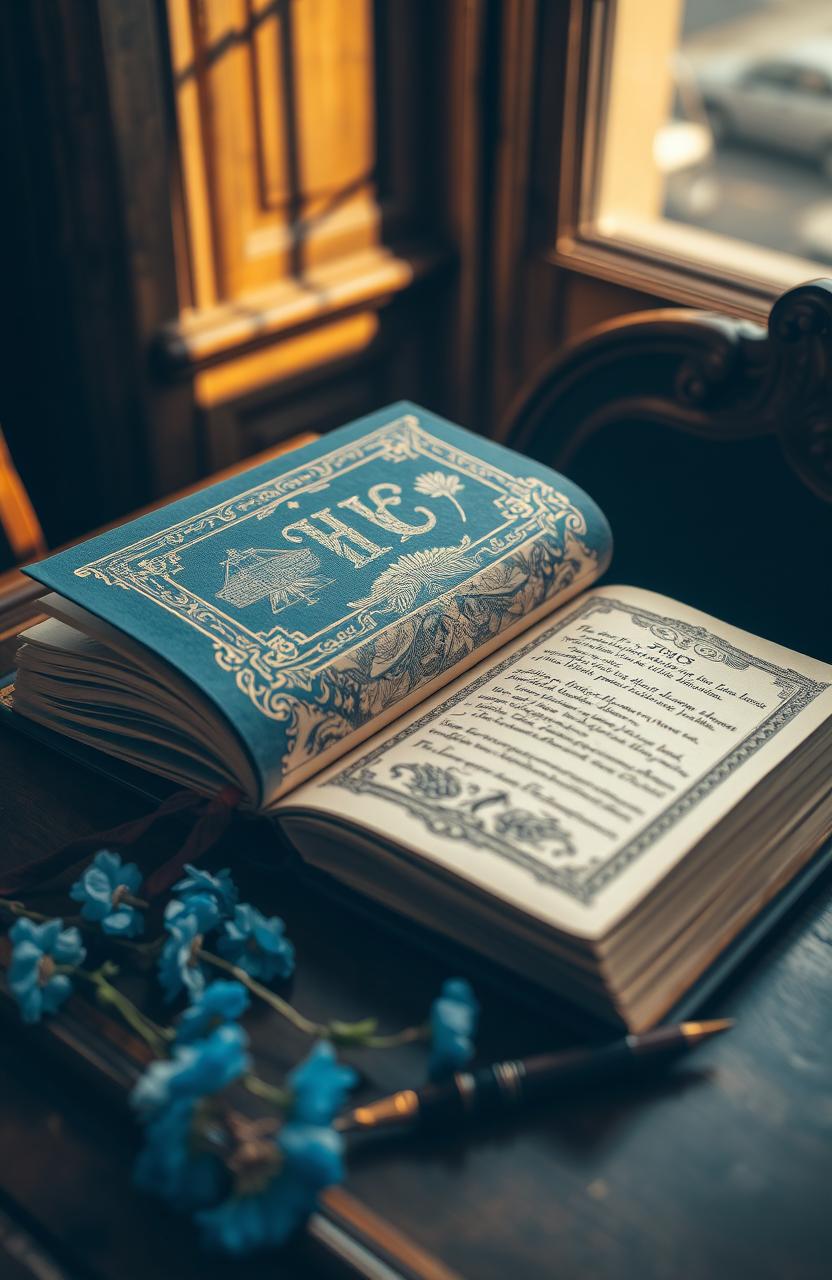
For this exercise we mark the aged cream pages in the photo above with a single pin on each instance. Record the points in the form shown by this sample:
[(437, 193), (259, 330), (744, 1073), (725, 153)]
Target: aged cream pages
[(571, 774)]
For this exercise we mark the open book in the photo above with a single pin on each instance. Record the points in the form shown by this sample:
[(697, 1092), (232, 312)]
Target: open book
[(390, 642)]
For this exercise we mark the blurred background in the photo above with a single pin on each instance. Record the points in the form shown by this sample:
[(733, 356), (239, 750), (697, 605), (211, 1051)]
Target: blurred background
[(748, 146), (229, 221)]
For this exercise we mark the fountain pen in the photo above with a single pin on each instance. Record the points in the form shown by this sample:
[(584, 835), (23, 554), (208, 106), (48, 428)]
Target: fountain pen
[(511, 1084)]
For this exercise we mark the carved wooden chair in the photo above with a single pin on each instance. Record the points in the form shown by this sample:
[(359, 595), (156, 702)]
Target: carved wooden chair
[(708, 443)]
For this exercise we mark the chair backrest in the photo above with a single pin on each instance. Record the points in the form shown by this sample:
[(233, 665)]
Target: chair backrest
[(708, 443)]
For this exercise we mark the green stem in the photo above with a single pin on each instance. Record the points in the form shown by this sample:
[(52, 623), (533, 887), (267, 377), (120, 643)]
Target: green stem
[(359, 1035), (408, 1035), (281, 1098), (152, 1034), (287, 1011), (164, 1033), (19, 910)]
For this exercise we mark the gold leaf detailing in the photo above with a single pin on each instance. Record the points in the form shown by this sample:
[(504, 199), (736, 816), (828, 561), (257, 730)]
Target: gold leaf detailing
[(438, 484), (400, 586)]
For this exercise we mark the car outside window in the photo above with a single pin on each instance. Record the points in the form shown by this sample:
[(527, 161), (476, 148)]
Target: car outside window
[(814, 82), (724, 111), (773, 75)]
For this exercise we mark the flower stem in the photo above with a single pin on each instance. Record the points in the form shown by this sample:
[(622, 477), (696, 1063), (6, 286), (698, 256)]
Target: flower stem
[(149, 1031), (408, 1035), (360, 1035), (281, 1098), (164, 1033), (133, 901), (287, 1011), (141, 950), (18, 909)]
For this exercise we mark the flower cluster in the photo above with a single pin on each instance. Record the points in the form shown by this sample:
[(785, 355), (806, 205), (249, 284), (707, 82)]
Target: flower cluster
[(173, 1164), (194, 1070), (248, 939), (304, 1157), (248, 1180), (250, 1183)]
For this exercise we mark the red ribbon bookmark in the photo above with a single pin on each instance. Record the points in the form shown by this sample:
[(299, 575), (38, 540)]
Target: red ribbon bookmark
[(203, 835), (209, 826)]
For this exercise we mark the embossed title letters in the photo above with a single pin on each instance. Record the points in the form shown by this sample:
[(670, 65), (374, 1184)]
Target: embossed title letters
[(348, 542)]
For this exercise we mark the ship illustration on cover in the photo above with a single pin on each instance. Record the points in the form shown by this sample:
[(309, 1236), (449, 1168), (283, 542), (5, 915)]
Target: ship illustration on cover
[(284, 577)]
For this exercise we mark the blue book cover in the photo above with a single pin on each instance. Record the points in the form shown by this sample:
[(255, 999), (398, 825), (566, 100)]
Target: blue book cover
[(320, 592)]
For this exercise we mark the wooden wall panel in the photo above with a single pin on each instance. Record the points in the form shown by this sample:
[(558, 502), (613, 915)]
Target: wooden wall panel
[(276, 114)]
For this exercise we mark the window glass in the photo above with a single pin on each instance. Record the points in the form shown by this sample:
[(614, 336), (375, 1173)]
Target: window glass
[(723, 108)]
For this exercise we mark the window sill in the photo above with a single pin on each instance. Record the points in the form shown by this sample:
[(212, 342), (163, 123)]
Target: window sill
[(199, 339), (683, 264)]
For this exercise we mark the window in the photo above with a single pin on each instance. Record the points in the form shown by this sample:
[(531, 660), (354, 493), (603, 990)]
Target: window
[(704, 165)]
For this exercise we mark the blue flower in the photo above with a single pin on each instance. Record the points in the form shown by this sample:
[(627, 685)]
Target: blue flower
[(194, 1071), (171, 1166), (219, 1003), (311, 1158), (36, 950), (179, 966), (200, 905), (257, 944), (319, 1085), (220, 887), (453, 1020), (313, 1153), (102, 889)]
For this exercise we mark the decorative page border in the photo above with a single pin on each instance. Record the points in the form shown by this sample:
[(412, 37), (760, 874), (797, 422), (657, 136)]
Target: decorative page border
[(425, 801), (316, 689)]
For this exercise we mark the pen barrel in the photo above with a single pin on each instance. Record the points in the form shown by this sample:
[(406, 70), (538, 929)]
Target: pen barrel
[(505, 1085), (549, 1074)]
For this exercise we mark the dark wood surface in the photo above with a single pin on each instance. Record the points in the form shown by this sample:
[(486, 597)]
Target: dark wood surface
[(719, 1169)]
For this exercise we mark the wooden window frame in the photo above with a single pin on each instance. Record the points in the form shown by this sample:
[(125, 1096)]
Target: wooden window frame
[(340, 280), (654, 264)]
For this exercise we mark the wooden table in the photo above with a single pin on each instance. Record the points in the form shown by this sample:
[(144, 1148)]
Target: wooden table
[(722, 1168)]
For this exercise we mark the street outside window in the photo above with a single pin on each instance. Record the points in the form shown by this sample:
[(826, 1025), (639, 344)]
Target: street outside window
[(724, 110)]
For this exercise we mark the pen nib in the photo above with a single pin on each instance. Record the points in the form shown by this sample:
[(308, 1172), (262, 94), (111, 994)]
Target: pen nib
[(696, 1031)]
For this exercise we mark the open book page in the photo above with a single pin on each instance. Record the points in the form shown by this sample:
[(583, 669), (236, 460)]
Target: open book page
[(571, 772)]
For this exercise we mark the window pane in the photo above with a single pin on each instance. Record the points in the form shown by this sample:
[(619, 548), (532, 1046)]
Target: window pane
[(716, 117)]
